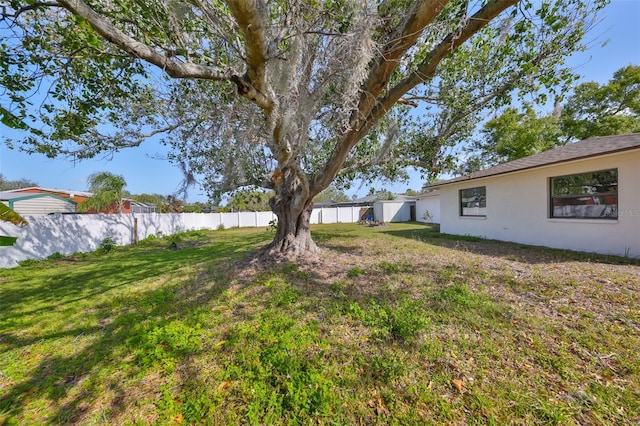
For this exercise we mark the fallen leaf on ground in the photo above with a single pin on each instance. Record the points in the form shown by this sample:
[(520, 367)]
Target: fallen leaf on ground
[(459, 385)]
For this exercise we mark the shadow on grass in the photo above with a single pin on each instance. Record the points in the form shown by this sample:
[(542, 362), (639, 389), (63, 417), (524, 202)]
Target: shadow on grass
[(101, 292), (512, 251), (326, 236)]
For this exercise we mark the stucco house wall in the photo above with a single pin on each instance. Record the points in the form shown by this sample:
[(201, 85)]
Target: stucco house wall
[(518, 208), (428, 208)]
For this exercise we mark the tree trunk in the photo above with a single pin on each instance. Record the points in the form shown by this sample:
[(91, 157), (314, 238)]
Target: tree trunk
[(293, 235)]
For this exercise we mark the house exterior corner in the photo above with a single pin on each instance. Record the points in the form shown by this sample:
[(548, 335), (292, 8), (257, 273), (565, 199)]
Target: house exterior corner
[(522, 206)]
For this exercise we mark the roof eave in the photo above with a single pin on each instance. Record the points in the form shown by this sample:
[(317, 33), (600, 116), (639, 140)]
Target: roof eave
[(552, 163)]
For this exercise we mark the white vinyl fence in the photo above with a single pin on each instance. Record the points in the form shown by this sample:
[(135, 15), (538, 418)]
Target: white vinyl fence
[(68, 234)]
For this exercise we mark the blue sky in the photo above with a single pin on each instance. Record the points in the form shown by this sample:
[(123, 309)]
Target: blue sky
[(614, 43)]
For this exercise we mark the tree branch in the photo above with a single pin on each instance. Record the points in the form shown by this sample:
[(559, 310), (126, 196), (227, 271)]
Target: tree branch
[(251, 17), (400, 41), (142, 51), (427, 69), (24, 9), (371, 110)]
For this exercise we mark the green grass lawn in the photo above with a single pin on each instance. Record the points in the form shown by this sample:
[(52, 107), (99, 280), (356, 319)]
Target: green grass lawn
[(388, 325)]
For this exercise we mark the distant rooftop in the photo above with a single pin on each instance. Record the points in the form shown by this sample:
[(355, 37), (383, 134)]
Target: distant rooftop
[(372, 198), (428, 194), (61, 191), (587, 148), (10, 195)]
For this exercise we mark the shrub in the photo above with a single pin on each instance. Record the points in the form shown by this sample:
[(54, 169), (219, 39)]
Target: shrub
[(31, 262), (55, 256), (273, 225), (106, 245)]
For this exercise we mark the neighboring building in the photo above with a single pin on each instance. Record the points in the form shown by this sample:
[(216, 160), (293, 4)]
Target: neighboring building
[(140, 207), (326, 203), (402, 209), (366, 201), (428, 207), (79, 197), (583, 196), (29, 204)]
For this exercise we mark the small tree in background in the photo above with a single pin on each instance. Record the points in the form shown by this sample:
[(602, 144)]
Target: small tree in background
[(250, 200), (157, 199), (164, 204), (591, 110), (331, 194), (108, 190), (7, 185), (172, 204)]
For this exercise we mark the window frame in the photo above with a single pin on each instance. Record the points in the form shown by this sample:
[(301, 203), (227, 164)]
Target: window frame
[(593, 195), (461, 206)]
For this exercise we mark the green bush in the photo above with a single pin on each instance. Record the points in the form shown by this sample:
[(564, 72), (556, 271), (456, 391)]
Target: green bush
[(107, 245), (55, 256)]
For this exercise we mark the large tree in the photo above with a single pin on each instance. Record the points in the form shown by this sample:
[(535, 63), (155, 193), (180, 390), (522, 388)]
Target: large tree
[(606, 109), (287, 96), (511, 135), (591, 109)]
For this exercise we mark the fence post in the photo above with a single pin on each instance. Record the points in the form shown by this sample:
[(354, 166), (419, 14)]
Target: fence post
[(135, 230)]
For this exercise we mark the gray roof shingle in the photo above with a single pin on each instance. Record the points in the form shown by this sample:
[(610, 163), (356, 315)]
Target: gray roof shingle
[(586, 148)]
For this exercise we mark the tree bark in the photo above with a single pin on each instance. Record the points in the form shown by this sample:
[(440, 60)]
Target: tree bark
[(293, 205), (293, 234)]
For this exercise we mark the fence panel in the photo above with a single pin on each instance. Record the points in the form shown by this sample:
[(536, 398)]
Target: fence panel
[(65, 234), (201, 221), (329, 215), (230, 220), (345, 215), (265, 218), (157, 224), (316, 216)]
